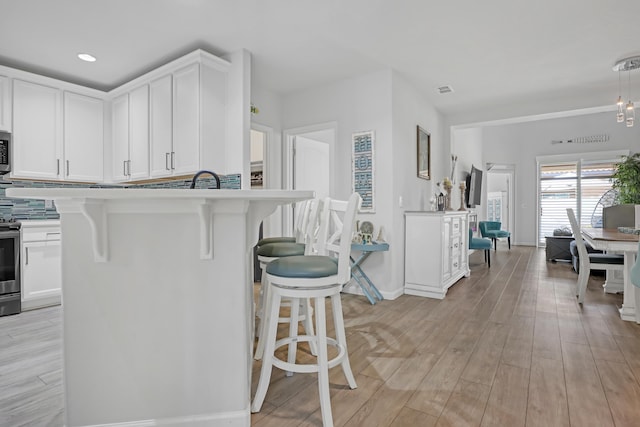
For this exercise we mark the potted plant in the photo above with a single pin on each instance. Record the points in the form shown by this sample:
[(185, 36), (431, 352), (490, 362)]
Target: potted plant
[(626, 179)]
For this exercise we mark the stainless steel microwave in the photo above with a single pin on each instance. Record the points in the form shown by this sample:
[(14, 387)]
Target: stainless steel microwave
[(5, 152)]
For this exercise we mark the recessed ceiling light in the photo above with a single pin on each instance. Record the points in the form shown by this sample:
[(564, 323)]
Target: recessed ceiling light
[(87, 57)]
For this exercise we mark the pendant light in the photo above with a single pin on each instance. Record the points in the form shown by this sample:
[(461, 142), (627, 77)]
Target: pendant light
[(630, 111), (620, 103), (626, 114)]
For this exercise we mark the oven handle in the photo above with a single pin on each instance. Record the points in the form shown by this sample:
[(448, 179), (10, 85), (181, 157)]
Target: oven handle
[(26, 255)]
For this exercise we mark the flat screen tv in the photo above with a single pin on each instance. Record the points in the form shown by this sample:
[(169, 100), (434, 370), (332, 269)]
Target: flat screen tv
[(473, 192)]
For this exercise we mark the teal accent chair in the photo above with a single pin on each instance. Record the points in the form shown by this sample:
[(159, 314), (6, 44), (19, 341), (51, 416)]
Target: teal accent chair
[(481, 244), (491, 229)]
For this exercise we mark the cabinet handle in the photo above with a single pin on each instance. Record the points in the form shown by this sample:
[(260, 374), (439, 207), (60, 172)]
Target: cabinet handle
[(129, 167), (57, 166), (124, 167), (26, 256), (173, 160), (166, 161), (67, 167)]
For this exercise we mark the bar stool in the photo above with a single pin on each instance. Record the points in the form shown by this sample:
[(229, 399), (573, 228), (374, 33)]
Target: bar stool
[(306, 232), (314, 277)]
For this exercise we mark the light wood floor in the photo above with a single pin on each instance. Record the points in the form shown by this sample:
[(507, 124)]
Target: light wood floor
[(509, 346)]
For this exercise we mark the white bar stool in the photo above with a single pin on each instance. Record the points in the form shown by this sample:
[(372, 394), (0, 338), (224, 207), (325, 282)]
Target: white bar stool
[(306, 231), (312, 277)]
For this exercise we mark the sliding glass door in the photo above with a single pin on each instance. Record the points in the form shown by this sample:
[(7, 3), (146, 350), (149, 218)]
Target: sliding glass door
[(581, 185)]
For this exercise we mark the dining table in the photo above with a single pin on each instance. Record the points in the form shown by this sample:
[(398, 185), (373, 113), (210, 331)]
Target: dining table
[(613, 240)]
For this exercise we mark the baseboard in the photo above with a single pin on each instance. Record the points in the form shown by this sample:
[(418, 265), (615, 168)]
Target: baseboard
[(226, 419), (354, 289)]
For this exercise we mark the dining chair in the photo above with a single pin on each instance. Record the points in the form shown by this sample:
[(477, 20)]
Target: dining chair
[(635, 271), (481, 243), (491, 229), (590, 261)]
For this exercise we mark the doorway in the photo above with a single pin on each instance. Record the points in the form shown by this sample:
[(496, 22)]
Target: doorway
[(500, 196), (308, 164)]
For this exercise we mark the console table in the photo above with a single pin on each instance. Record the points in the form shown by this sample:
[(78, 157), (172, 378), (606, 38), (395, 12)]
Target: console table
[(359, 275)]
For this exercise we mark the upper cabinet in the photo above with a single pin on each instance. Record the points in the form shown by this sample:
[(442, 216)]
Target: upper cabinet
[(55, 135), (130, 135), (185, 116), (5, 104), (83, 138), (37, 131), (188, 123)]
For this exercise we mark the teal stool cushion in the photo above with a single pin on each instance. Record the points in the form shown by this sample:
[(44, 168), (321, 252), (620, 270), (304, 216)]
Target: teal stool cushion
[(284, 249), (268, 240), (312, 266)]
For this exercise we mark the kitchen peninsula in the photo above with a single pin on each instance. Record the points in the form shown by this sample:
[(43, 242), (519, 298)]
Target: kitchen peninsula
[(158, 302)]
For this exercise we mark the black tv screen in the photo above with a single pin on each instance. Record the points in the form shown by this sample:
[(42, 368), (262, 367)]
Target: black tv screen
[(473, 192)]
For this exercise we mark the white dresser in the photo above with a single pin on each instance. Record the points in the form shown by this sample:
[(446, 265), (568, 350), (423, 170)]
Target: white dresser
[(436, 252)]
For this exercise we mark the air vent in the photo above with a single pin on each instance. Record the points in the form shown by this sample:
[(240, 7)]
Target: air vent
[(583, 139), (445, 89)]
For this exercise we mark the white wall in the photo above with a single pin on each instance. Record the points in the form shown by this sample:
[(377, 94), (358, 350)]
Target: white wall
[(410, 109), (269, 119), (519, 144), (357, 104)]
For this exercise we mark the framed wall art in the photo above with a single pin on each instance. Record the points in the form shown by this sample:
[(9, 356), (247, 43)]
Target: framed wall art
[(362, 168), (424, 154)]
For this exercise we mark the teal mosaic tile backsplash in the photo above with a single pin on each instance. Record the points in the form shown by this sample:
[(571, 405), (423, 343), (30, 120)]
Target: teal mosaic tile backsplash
[(30, 209)]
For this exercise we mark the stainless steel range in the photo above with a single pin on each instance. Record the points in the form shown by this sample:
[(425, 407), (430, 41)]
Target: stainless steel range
[(9, 267)]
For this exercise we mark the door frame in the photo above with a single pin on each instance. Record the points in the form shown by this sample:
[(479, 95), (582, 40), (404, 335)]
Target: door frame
[(289, 136), (510, 171)]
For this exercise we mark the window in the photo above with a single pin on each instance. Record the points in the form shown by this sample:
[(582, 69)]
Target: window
[(578, 185)]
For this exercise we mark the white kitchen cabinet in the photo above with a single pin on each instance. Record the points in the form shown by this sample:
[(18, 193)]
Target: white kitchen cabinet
[(436, 252), (56, 139), (40, 261), (161, 126), (83, 138), (186, 123), (5, 104), (188, 120), (37, 131), (130, 135)]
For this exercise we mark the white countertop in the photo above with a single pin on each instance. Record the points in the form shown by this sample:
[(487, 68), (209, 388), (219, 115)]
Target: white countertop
[(148, 193)]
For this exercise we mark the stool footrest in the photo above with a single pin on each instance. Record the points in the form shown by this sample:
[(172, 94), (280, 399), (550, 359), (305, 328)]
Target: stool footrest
[(306, 368)]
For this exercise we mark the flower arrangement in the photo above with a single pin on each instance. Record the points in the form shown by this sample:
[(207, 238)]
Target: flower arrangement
[(447, 184)]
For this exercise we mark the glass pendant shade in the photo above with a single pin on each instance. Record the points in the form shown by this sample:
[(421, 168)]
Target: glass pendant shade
[(620, 115), (630, 114)]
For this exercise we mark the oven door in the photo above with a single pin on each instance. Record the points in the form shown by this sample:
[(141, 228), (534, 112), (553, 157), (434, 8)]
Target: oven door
[(10, 301)]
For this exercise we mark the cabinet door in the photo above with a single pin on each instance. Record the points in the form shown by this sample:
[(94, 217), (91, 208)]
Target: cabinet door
[(41, 271), (160, 126), (83, 137), (37, 131), (120, 136), (138, 167), (5, 104), (186, 120), (447, 248)]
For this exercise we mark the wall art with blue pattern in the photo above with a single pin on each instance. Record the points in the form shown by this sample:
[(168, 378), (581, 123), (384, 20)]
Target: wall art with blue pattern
[(362, 167)]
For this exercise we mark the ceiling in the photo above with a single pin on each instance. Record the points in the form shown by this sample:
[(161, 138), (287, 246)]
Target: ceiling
[(502, 57)]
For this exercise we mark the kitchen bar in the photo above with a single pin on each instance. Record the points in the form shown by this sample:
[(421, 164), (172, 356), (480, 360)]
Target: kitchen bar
[(158, 303)]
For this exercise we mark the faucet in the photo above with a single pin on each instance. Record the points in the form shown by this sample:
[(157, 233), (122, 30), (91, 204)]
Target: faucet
[(195, 177)]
